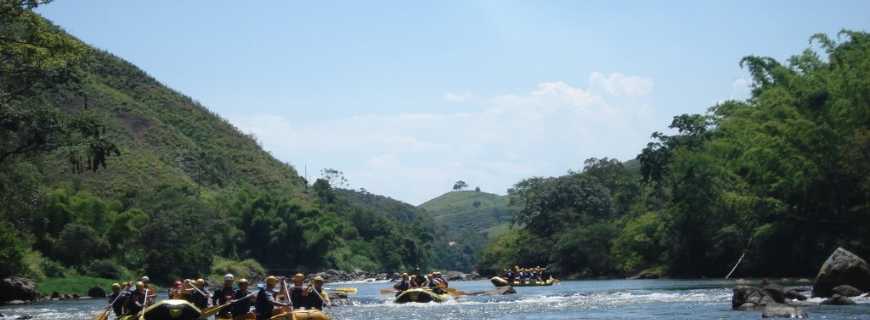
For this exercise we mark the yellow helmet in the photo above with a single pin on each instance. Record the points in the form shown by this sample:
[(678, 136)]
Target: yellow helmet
[(271, 280), (318, 279), (140, 285), (116, 285), (243, 281), (200, 282)]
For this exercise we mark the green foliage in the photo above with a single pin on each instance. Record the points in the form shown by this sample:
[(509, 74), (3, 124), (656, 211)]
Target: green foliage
[(248, 268), (781, 176), (12, 251), (72, 284)]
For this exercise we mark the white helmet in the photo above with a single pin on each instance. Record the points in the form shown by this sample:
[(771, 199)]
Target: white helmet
[(145, 279), (229, 277)]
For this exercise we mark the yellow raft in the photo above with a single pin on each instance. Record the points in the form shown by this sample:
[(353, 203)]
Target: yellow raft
[(502, 282), (421, 295), (301, 315), (168, 310)]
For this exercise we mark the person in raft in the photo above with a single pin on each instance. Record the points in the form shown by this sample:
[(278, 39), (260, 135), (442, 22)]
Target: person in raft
[(243, 299), (316, 295), (266, 303), (403, 284), (223, 295)]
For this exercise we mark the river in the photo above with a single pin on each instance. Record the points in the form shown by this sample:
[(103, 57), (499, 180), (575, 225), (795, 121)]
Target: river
[(606, 299)]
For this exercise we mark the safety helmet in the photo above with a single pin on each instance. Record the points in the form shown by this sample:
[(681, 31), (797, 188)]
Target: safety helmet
[(229, 277), (145, 279), (271, 280), (116, 285), (200, 282), (318, 279), (243, 281), (140, 285)]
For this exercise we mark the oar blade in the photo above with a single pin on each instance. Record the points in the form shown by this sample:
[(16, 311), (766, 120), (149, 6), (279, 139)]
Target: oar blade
[(103, 315)]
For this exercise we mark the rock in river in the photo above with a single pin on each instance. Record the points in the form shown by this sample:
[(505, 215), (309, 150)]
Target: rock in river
[(846, 291), (16, 288), (779, 310), (842, 267), (750, 298), (838, 300)]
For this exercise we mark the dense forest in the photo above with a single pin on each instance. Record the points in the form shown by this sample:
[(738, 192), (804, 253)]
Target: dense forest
[(106, 172), (783, 177)]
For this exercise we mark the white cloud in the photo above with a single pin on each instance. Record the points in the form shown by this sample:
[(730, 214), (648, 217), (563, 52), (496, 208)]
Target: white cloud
[(620, 85), (457, 97), (546, 130)]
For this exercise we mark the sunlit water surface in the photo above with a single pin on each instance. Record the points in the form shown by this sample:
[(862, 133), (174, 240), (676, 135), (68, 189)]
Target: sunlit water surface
[(607, 299)]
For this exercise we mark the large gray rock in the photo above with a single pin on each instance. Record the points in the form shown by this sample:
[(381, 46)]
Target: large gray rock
[(846, 291), (775, 291), (750, 298), (842, 267), (779, 310), (838, 300), (17, 288)]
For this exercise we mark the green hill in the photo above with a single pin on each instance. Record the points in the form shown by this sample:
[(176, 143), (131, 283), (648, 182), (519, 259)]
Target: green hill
[(467, 220), (105, 171), (470, 210)]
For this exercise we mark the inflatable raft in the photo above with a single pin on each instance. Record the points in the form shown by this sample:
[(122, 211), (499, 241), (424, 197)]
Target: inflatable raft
[(502, 282), (302, 315), (168, 310), (421, 295)]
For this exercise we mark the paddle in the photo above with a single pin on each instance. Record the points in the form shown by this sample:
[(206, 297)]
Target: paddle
[(455, 293), (208, 312), (388, 290), (104, 315), (144, 302), (344, 290)]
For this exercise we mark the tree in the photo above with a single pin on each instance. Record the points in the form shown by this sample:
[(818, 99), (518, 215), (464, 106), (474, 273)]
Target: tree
[(459, 185), (334, 177)]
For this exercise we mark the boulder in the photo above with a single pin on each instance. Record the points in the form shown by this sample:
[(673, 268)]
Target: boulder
[(55, 295), (776, 292), (17, 288), (454, 276), (750, 298), (846, 291), (794, 294), (838, 300), (96, 292), (842, 267), (779, 310)]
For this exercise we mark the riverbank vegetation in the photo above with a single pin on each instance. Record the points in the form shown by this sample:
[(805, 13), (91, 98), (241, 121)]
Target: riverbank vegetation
[(782, 177), (105, 172)]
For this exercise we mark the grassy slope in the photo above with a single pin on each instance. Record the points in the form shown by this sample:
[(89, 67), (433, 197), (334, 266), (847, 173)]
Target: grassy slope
[(457, 212), (164, 136)]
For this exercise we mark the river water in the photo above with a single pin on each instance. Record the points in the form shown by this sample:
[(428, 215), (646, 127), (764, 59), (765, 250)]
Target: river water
[(607, 299)]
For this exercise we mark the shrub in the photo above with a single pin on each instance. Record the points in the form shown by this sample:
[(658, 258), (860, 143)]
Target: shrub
[(248, 268)]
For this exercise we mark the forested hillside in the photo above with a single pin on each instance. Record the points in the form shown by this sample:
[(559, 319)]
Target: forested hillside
[(105, 171), (782, 177)]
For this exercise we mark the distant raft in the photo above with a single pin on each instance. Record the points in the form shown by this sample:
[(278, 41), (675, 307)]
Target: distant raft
[(421, 295), (168, 310), (502, 282)]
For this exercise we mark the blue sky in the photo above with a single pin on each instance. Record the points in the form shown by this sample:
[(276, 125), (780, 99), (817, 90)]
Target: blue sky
[(408, 97)]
